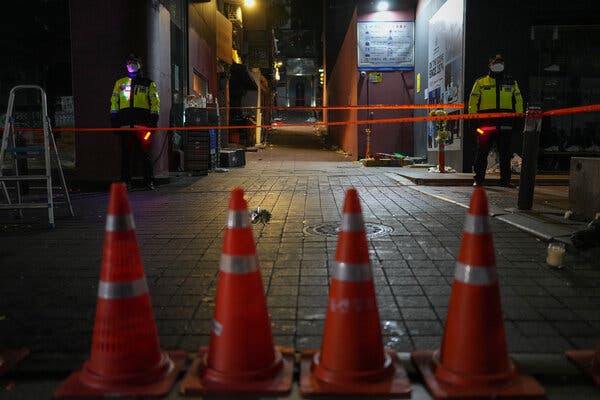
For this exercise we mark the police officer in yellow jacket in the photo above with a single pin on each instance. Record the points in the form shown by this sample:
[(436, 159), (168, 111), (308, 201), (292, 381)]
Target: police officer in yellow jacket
[(495, 92), (135, 104)]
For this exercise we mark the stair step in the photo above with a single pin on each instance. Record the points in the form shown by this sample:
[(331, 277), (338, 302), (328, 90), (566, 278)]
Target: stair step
[(23, 178), (25, 149), (23, 205)]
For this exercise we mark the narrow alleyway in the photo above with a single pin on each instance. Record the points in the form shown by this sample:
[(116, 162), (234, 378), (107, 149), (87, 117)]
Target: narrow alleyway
[(297, 143), (50, 278)]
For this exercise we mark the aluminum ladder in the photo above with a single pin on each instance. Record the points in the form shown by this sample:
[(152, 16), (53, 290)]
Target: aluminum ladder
[(9, 145)]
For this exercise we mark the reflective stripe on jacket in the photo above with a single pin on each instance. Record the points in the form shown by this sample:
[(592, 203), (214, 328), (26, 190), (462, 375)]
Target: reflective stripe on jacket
[(136, 108), (488, 95)]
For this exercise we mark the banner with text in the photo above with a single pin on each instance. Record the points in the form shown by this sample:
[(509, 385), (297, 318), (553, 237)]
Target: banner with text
[(445, 67), (386, 45)]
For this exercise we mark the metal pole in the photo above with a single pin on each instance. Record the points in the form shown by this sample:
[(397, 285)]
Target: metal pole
[(441, 156), (368, 147), (368, 129), (47, 155), (531, 139)]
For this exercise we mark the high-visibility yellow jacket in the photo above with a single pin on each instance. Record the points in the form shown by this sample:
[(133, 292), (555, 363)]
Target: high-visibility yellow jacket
[(491, 95), (136, 101)]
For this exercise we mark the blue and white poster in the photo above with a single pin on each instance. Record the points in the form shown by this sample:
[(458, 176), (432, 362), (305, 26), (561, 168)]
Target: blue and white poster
[(386, 45)]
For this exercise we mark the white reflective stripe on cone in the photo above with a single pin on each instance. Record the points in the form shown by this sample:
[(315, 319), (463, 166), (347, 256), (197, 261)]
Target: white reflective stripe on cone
[(475, 275), (238, 219), (352, 222), (238, 264), (347, 272), (477, 224), (119, 223), (122, 290)]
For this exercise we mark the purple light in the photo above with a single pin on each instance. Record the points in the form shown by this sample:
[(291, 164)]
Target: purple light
[(133, 67)]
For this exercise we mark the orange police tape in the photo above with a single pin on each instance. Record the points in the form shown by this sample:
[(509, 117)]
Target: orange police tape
[(356, 107), (336, 123), (558, 112)]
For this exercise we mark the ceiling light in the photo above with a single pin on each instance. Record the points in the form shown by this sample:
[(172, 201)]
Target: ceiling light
[(382, 6)]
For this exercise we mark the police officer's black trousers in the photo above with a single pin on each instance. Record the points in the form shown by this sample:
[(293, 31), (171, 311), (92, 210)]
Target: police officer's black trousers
[(484, 143), (130, 144)]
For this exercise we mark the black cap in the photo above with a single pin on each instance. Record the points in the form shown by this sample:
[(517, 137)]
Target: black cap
[(134, 58), (496, 58)]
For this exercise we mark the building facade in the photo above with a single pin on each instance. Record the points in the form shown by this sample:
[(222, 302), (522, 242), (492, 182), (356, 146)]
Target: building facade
[(550, 49), (189, 48)]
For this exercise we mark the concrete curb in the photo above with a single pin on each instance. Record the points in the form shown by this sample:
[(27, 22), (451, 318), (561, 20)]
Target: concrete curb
[(545, 231)]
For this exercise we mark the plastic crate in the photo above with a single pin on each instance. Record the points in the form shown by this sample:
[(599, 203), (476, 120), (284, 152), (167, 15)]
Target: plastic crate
[(230, 159), (196, 116)]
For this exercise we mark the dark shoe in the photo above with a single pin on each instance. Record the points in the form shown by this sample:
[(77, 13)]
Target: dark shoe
[(150, 186), (129, 186), (477, 183), (507, 185)]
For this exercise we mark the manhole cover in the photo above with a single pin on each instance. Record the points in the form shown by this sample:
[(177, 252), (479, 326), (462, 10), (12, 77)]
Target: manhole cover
[(331, 229)]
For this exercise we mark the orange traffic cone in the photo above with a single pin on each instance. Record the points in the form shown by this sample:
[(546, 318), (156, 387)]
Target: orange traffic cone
[(10, 357), (125, 357), (473, 360), (352, 360), (588, 361), (240, 358)]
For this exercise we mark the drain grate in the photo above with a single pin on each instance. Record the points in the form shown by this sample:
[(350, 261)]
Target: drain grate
[(331, 229)]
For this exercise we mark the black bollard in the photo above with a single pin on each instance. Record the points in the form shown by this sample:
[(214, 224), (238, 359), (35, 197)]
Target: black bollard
[(531, 144)]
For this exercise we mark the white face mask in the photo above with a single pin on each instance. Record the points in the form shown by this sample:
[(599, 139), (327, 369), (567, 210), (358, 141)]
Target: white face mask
[(498, 67), (133, 66)]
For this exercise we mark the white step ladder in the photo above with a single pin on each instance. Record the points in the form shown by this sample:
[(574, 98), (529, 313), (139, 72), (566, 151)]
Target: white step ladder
[(9, 145)]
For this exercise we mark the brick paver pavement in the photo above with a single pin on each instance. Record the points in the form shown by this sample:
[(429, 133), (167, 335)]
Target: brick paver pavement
[(49, 279)]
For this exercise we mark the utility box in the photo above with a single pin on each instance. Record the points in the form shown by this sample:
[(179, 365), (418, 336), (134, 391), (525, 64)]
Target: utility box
[(584, 187)]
